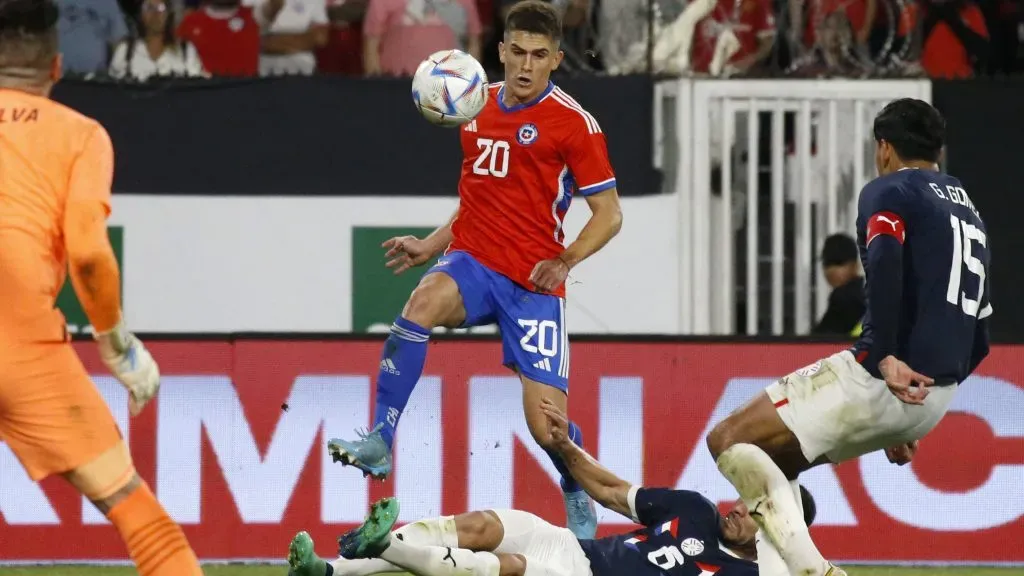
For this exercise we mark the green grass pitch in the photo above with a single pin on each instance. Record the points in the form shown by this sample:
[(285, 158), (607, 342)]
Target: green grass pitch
[(280, 570)]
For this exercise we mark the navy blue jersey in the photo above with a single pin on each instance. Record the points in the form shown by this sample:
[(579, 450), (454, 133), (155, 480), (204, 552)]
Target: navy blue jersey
[(926, 259), (679, 538)]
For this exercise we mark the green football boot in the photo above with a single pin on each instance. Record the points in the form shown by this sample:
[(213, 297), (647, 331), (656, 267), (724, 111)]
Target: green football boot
[(302, 560), (374, 536)]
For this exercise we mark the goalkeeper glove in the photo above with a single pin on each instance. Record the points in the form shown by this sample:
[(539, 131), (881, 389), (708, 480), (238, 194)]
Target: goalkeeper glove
[(132, 365)]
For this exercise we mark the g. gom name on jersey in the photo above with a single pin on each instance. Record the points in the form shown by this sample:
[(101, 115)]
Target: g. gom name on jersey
[(945, 290)]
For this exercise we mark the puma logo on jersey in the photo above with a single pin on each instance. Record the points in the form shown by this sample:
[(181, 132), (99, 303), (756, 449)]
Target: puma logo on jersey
[(887, 221), (448, 556)]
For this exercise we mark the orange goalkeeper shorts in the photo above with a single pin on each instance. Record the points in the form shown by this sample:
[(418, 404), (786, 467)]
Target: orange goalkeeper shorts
[(51, 414)]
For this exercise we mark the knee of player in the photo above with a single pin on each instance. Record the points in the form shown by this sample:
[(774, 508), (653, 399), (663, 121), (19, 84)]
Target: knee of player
[(107, 479), (479, 530), (541, 434), (721, 438), (511, 565), (107, 503)]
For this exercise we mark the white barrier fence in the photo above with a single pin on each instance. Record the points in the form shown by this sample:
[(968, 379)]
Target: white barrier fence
[(705, 126)]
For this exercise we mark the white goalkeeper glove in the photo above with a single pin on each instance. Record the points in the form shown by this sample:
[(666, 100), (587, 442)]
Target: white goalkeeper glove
[(132, 365)]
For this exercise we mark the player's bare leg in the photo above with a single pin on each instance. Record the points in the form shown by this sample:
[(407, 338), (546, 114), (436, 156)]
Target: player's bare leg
[(156, 544), (762, 458), (436, 301), (581, 516)]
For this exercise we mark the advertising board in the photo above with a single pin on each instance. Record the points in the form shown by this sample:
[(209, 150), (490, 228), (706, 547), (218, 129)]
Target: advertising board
[(234, 448)]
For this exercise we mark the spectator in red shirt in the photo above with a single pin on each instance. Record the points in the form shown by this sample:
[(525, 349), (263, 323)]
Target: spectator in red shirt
[(749, 21), (227, 35), (343, 53)]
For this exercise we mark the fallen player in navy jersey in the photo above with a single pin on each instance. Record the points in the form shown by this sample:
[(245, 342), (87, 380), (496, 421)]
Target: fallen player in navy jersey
[(683, 535)]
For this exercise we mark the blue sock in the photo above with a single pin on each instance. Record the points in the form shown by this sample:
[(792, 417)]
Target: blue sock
[(569, 483), (401, 365)]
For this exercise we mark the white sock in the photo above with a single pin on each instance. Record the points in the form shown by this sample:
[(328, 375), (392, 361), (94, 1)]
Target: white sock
[(769, 496), (769, 561), (430, 532), (795, 486), (364, 567), (440, 561)]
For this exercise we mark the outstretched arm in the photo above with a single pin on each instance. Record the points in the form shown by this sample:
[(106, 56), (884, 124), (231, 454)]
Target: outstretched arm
[(405, 252), (600, 483)]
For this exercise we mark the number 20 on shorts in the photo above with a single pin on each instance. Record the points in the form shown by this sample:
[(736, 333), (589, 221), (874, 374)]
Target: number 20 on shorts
[(541, 337)]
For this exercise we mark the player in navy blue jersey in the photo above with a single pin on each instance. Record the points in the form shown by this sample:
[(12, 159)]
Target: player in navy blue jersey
[(925, 253), (682, 535)]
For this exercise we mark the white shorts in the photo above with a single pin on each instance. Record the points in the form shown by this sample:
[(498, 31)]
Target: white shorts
[(836, 408), (549, 550)]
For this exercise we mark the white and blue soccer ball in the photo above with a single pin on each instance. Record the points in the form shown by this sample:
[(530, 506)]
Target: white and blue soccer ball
[(449, 88)]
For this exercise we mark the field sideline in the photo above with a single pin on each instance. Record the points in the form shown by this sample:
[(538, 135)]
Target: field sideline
[(279, 570)]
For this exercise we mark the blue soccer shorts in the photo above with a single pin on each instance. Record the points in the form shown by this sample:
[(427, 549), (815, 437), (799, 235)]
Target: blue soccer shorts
[(532, 325)]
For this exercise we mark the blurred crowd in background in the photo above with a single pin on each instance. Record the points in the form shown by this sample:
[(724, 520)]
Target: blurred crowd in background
[(139, 39)]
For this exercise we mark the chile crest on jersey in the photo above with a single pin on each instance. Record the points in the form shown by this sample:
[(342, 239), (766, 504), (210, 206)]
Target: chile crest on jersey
[(531, 130)]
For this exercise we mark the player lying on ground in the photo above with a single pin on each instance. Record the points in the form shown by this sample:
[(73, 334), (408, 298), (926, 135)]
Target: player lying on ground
[(925, 331), (683, 535), (56, 168), (526, 155)]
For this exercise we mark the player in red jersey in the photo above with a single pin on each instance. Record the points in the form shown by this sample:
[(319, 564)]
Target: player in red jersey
[(526, 155)]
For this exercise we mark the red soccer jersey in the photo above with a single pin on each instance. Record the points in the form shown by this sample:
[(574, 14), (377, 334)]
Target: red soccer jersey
[(521, 167), (228, 41)]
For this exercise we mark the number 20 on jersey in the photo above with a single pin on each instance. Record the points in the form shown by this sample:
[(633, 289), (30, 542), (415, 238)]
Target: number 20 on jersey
[(493, 158)]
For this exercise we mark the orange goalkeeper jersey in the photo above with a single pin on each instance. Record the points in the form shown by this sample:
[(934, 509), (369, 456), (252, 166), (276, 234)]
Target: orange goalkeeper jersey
[(50, 157)]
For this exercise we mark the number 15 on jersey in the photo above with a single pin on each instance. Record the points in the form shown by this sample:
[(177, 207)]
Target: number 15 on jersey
[(965, 262)]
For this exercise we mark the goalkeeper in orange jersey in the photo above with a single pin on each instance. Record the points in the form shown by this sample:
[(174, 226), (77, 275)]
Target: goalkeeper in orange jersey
[(56, 168)]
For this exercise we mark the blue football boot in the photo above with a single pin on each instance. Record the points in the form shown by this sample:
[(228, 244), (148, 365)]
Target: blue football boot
[(370, 453), (580, 514)]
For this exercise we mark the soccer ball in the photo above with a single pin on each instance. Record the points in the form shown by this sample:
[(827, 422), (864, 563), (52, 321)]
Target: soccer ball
[(449, 88)]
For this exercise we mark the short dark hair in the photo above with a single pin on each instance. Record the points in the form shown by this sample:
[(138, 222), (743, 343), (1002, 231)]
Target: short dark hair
[(536, 17), (914, 128), (839, 249), (810, 508), (28, 33)]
